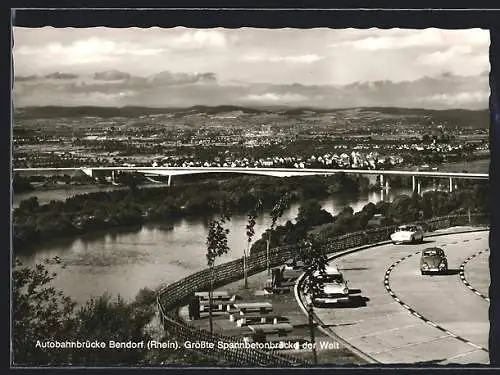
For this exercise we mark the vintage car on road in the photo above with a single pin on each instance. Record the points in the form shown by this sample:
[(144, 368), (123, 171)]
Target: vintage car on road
[(407, 234), (433, 260), (331, 287)]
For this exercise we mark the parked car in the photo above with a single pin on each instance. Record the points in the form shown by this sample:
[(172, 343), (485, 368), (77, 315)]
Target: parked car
[(407, 234), (433, 259), (331, 287)]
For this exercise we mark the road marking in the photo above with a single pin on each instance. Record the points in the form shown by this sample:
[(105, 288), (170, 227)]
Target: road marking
[(477, 346), (461, 272), (413, 312)]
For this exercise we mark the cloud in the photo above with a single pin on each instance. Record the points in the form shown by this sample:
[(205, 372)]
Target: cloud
[(274, 97), (58, 75), (198, 39), (299, 59), (26, 78), (447, 90), (440, 57), (462, 59), (454, 99), (111, 75), (389, 40), (170, 78), (93, 50)]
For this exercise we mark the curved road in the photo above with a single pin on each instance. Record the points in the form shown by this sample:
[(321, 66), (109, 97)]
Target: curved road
[(400, 316)]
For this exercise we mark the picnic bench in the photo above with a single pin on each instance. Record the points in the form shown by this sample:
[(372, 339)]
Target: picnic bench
[(280, 328), (242, 320)]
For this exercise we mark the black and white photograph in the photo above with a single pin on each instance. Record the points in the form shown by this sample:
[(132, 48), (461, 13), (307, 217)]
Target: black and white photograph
[(250, 197)]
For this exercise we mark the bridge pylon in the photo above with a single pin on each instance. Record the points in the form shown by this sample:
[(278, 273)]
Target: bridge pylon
[(88, 171)]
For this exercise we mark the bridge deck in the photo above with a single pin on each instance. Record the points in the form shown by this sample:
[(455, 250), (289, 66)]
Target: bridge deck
[(278, 172)]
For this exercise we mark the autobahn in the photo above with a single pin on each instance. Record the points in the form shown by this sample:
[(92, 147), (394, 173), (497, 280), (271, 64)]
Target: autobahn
[(400, 316)]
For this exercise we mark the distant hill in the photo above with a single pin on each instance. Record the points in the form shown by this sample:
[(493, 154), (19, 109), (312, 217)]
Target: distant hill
[(107, 112), (463, 118), (448, 117)]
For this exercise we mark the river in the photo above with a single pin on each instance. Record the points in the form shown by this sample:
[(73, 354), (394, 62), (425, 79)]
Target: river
[(122, 261)]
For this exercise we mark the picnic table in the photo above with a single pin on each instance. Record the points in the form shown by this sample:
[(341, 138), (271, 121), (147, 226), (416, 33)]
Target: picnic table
[(217, 294), (220, 304), (271, 328), (262, 307)]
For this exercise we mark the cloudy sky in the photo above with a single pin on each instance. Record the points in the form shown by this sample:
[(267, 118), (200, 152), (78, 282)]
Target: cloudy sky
[(315, 67)]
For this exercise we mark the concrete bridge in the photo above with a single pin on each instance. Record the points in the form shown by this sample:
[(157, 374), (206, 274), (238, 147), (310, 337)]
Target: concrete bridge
[(384, 175)]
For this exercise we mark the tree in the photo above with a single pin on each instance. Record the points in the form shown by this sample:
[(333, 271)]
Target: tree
[(40, 313), (216, 246), (403, 209), (29, 205), (312, 214), (277, 211), (21, 184), (312, 254), (252, 217), (112, 319)]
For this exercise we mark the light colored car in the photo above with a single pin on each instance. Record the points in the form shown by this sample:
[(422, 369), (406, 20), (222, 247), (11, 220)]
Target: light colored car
[(433, 259), (408, 234), (331, 287)]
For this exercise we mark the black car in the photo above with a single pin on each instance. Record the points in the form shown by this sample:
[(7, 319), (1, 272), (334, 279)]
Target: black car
[(433, 259)]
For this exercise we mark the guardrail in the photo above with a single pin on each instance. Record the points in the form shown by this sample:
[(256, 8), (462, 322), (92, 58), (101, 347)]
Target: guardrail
[(171, 297)]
